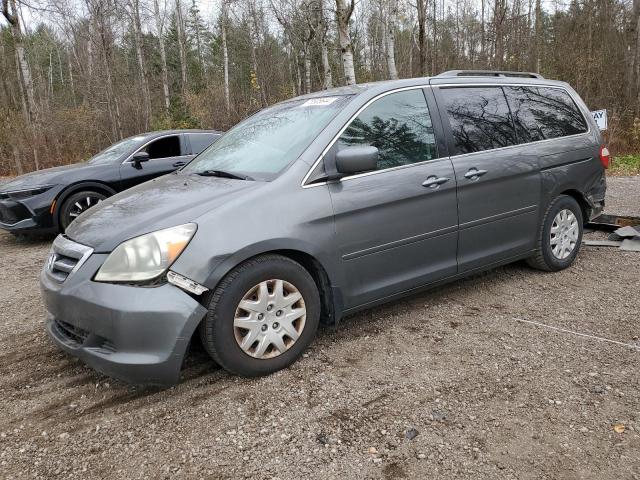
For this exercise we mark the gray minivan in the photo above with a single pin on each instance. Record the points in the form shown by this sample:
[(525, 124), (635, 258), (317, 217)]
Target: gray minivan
[(321, 206)]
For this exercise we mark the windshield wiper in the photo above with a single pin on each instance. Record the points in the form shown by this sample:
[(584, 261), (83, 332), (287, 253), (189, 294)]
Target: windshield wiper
[(223, 174)]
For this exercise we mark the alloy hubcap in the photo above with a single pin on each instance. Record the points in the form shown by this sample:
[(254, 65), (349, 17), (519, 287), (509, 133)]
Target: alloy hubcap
[(269, 319), (82, 206), (564, 234)]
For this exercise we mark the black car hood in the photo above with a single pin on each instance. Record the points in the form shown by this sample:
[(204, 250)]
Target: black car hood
[(164, 202), (47, 176)]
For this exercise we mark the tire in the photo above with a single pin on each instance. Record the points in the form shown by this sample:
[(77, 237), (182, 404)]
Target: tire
[(546, 258), (77, 204), (219, 331)]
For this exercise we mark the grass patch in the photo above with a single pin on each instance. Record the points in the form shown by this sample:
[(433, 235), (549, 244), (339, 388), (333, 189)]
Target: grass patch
[(625, 165)]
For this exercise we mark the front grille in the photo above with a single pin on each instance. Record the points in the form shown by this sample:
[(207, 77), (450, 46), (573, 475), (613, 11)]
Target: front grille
[(11, 212), (66, 257), (72, 333)]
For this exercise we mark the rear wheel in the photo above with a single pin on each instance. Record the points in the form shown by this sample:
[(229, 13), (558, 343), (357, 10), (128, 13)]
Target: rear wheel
[(262, 316), (560, 235), (77, 204)]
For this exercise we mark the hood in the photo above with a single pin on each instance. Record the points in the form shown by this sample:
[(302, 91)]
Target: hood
[(47, 176), (164, 202)]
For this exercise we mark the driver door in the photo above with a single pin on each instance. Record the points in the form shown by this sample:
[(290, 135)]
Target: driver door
[(166, 154), (396, 226)]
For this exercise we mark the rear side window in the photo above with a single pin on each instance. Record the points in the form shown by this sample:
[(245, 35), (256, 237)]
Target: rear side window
[(479, 118), (398, 125), (544, 112), (200, 141)]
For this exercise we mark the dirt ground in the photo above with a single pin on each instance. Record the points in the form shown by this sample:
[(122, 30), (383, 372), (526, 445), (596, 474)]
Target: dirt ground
[(488, 396)]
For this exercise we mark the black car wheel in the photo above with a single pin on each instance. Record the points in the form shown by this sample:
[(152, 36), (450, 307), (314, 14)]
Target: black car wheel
[(262, 316), (77, 204), (560, 235)]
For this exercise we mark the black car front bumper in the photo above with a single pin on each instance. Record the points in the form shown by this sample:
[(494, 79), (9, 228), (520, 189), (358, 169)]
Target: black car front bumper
[(16, 216)]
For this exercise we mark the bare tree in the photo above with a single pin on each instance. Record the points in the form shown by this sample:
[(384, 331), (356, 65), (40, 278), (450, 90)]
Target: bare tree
[(10, 12), (389, 29), (134, 7), (421, 8), (224, 19), (163, 55), (181, 46), (343, 15)]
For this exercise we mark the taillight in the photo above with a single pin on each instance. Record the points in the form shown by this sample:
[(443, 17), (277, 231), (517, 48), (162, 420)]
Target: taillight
[(605, 156)]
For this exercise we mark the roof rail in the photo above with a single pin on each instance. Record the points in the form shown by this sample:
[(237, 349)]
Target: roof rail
[(488, 73)]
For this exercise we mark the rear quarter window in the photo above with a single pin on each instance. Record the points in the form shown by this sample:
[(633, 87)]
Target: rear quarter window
[(200, 141), (544, 112), (479, 118)]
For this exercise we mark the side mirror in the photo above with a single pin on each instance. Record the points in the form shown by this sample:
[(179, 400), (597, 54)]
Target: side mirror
[(138, 158), (351, 160)]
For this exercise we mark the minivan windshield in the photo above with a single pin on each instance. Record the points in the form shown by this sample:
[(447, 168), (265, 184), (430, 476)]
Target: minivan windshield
[(264, 144), (117, 150)]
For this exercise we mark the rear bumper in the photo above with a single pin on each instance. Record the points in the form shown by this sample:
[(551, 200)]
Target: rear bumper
[(139, 335)]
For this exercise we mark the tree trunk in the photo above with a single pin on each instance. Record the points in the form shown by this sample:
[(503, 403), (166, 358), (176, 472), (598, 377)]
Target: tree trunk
[(163, 57), (137, 34), (538, 42), (434, 46), (343, 15), (307, 71), (22, 66), (225, 56), (421, 6), (389, 29), (181, 46), (326, 66)]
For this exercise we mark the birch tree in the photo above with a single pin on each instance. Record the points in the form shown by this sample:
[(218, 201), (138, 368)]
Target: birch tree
[(344, 11)]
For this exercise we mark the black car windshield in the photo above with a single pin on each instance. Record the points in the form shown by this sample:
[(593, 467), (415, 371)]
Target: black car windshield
[(117, 150), (264, 144)]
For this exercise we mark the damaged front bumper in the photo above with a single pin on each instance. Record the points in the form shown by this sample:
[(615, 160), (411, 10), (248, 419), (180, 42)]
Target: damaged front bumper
[(137, 334)]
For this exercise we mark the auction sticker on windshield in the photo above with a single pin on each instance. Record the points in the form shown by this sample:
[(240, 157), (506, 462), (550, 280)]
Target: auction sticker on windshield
[(319, 102)]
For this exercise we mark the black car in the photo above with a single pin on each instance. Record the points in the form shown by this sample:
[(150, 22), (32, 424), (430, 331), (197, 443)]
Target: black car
[(47, 201)]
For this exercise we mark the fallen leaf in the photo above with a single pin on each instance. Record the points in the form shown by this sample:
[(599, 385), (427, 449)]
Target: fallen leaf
[(618, 428)]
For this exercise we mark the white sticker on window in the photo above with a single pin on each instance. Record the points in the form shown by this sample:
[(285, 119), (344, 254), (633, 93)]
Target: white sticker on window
[(319, 102)]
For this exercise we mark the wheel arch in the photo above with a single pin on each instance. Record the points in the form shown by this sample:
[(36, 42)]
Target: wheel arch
[(94, 186), (579, 197), (330, 295)]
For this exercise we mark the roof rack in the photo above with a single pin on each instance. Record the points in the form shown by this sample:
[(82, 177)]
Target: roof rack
[(488, 73)]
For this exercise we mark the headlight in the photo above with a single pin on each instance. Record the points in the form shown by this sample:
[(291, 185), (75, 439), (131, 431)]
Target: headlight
[(146, 257), (26, 192)]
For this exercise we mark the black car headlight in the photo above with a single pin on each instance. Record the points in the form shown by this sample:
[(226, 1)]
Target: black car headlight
[(25, 192)]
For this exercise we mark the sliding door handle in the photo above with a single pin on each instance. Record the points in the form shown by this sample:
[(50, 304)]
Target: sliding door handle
[(474, 174), (434, 182)]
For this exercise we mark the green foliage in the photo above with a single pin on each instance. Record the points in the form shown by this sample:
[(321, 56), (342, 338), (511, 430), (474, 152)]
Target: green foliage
[(625, 165), (179, 117)]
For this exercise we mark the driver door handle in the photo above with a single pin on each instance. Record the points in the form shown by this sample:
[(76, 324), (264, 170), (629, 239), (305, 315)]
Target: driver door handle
[(434, 182), (179, 164), (474, 174)]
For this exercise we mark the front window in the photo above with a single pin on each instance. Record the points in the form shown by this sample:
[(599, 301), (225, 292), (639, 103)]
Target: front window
[(398, 125), (118, 150), (264, 144)]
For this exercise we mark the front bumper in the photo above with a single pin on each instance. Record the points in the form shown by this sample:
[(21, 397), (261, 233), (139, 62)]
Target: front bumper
[(16, 216), (137, 334)]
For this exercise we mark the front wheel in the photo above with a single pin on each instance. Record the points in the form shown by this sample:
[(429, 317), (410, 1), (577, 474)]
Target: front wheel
[(77, 204), (560, 235), (262, 316)]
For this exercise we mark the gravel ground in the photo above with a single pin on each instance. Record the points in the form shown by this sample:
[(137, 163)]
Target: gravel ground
[(488, 396)]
